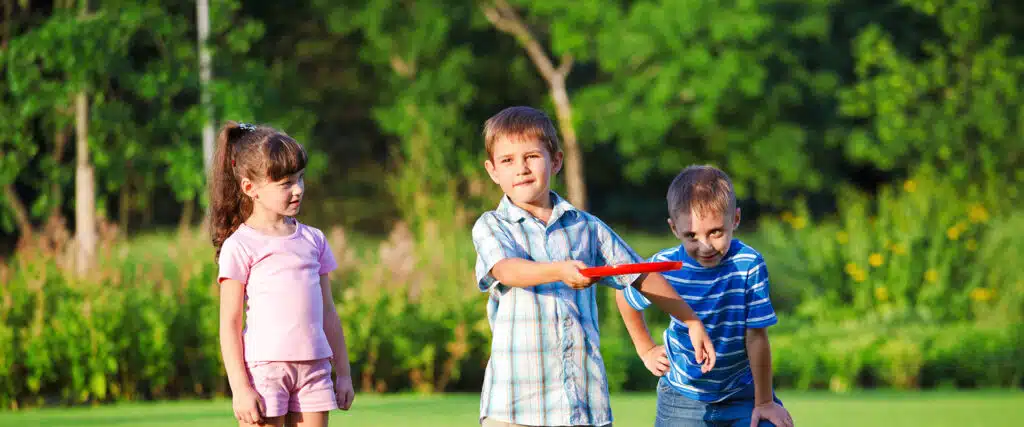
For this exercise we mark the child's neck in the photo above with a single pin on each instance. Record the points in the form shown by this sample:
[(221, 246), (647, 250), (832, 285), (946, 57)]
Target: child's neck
[(271, 223), (540, 209)]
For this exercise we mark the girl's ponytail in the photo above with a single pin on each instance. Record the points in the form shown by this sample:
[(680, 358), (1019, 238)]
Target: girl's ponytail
[(229, 207)]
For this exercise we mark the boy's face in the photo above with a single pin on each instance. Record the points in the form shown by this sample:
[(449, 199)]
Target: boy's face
[(706, 237), (523, 169)]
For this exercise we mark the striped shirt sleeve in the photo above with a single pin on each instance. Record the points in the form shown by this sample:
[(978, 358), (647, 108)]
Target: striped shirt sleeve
[(760, 313), (493, 243), (612, 250), (634, 297)]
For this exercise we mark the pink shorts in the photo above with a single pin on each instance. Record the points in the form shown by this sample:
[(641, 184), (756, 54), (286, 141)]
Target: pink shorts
[(293, 386)]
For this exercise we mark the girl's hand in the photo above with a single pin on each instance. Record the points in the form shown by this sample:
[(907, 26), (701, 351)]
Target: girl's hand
[(248, 406), (343, 392)]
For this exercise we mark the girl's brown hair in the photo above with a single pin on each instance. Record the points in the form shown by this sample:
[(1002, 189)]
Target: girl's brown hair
[(246, 151)]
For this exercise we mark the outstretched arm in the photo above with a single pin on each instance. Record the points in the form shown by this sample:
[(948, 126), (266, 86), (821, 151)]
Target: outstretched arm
[(656, 289)]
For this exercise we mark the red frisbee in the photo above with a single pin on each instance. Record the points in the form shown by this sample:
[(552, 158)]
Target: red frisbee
[(643, 267)]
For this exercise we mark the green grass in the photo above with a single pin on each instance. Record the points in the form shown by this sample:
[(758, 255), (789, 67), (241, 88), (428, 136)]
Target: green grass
[(883, 408)]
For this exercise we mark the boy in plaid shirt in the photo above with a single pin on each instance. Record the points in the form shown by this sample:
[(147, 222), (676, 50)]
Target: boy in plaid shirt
[(545, 367)]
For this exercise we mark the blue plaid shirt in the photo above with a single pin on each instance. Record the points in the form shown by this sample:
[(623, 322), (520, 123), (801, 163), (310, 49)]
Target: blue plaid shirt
[(546, 366)]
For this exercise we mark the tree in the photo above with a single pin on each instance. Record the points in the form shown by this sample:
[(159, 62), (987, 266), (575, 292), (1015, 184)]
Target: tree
[(948, 94), (688, 81)]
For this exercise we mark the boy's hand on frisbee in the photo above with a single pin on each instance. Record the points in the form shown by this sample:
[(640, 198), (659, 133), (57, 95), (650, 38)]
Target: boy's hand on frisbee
[(703, 349), (655, 360), (569, 271)]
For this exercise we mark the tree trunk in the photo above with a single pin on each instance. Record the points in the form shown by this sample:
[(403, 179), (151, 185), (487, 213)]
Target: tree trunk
[(60, 140), (5, 26), (124, 205), (505, 18), (574, 182), (187, 211), (85, 190), (21, 217), (205, 75)]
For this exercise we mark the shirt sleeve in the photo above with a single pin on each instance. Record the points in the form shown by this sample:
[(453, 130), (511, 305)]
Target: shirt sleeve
[(493, 243), (634, 297), (760, 313), (234, 262), (327, 261), (612, 250)]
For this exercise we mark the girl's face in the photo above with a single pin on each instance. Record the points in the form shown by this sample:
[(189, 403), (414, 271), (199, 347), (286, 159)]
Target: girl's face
[(282, 197)]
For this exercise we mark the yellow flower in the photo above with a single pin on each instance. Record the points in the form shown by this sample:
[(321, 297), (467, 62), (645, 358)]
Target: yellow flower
[(881, 293), (909, 186), (931, 275), (851, 268), (899, 248), (981, 294), (876, 259), (972, 245), (842, 237), (860, 276), (953, 233), (978, 213), (799, 222)]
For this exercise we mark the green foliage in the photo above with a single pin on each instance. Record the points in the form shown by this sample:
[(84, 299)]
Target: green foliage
[(952, 100), (925, 249), (679, 71), (869, 354), (144, 325)]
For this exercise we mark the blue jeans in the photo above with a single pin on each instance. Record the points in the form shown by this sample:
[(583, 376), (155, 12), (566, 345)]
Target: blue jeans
[(676, 410)]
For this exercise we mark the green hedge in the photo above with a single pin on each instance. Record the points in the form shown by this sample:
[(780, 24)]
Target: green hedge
[(145, 327), (918, 287)]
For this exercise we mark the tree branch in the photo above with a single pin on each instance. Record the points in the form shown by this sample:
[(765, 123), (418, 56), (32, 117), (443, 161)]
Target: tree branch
[(20, 213), (505, 18)]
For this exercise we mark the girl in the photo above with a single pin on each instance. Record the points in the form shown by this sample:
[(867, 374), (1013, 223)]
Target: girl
[(275, 269)]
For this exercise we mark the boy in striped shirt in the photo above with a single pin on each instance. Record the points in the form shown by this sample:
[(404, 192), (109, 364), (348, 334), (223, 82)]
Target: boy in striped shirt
[(545, 367), (726, 283)]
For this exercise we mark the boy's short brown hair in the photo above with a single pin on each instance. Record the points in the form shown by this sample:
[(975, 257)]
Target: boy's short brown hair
[(704, 189), (524, 123)]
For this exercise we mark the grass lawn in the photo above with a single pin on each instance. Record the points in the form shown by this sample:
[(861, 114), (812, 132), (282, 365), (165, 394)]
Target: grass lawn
[(926, 409)]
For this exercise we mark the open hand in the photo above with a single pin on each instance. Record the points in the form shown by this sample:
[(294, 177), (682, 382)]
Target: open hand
[(703, 348), (656, 361), (248, 406), (773, 412), (569, 271), (344, 392)]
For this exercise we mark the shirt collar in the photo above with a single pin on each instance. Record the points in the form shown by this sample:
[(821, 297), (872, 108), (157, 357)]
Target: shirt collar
[(513, 213)]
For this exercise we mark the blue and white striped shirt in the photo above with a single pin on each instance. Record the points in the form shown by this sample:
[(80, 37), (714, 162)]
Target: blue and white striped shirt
[(729, 298), (545, 367)]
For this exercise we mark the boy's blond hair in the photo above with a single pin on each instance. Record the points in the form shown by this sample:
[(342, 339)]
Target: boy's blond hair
[(520, 123), (703, 189)]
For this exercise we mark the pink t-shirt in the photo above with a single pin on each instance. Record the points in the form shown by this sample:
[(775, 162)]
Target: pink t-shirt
[(284, 304)]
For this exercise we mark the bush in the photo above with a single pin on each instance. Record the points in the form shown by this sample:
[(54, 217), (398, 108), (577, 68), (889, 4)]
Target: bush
[(921, 251), (926, 294)]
